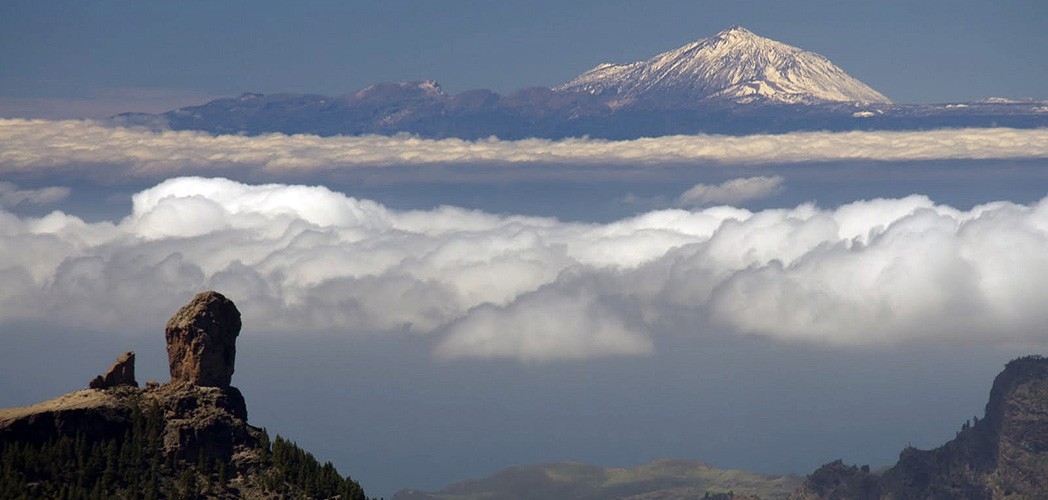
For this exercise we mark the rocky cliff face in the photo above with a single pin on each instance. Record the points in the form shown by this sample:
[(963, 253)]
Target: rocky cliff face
[(1004, 455), (196, 420), (188, 438)]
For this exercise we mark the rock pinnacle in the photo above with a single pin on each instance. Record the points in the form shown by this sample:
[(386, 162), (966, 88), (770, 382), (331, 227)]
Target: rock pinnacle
[(201, 340)]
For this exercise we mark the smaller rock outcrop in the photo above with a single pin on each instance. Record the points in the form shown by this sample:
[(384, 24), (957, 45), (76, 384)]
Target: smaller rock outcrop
[(836, 480), (201, 341), (121, 373)]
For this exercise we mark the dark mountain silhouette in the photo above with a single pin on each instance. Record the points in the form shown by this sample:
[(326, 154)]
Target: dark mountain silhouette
[(1002, 455)]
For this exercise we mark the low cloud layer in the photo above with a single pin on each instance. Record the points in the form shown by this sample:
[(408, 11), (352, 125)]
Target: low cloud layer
[(41, 145), (307, 260), (733, 191)]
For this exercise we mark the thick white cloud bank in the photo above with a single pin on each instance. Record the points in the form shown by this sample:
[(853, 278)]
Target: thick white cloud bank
[(306, 260), (42, 145)]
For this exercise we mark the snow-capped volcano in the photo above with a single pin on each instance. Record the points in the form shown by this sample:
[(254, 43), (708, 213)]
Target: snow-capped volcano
[(734, 83), (734, 65)]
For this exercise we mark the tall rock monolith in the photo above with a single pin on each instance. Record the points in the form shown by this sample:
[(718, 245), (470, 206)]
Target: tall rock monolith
[(201, 340)]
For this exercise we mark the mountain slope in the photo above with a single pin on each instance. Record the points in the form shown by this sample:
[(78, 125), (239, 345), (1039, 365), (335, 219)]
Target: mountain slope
[(733, 65)]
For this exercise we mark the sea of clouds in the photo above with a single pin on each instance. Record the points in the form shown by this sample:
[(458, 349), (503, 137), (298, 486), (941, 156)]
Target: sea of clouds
[(307, 260), (57, 146)]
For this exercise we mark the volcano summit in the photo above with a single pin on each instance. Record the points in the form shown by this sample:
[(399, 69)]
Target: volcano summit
[(734, 65)]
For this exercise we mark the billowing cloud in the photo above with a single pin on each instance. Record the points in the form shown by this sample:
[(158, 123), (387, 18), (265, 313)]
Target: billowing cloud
[(11, 195), (550, 323), (307, 260), (35, 145), (733, 191)]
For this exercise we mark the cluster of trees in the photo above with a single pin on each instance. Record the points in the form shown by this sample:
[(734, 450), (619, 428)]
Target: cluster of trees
[(85, 467), (135, 466), (293, 466)]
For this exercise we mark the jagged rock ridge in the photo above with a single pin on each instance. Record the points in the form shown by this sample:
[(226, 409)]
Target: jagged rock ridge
[(1003, 455), (733, 65)]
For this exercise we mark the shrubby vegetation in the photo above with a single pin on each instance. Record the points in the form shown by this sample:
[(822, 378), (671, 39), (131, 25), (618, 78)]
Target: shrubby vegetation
[(135, 466)]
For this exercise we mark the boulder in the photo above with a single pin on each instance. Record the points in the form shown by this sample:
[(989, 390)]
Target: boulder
[(201, 341), (121, 373)]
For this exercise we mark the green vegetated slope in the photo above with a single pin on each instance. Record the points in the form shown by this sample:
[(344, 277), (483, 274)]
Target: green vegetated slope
[(660, 480)]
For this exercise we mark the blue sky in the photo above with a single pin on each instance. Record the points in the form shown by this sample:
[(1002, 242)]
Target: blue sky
[(95, 57)]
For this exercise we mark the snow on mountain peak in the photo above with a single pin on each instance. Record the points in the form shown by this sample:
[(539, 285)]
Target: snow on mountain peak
[(393, 90), (735, 30), (733, 65)]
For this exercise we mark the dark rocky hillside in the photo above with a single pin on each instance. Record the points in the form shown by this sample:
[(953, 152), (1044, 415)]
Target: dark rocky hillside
[(1001, 456), (188, 438)]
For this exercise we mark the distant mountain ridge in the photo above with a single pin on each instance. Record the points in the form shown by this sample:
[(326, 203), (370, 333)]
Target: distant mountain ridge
[(662, 479), (734, 82)]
